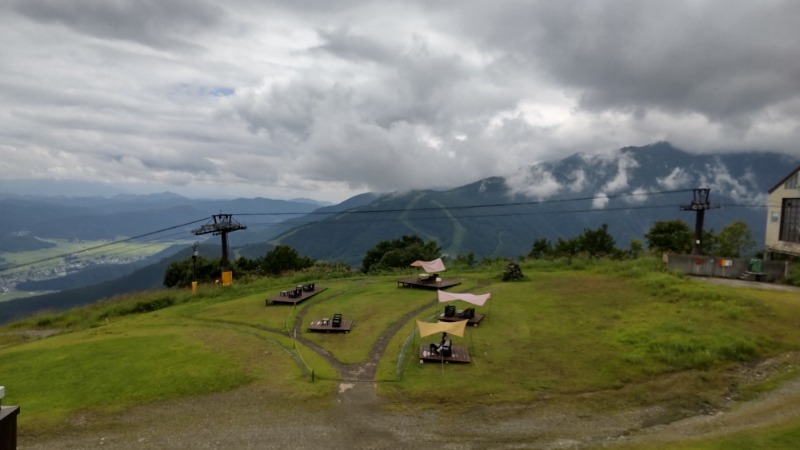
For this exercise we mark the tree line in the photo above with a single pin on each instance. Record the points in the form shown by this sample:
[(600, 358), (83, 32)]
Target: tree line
[(673, 236)]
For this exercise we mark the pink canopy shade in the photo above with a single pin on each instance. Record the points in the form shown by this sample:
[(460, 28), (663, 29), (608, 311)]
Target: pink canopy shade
[(469, 298), (430, 266)]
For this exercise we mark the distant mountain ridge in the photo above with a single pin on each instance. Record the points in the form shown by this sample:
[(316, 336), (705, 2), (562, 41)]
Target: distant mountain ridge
[(99, 218), (629, 190)]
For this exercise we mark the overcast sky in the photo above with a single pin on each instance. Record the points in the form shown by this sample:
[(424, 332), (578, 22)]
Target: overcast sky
[(328, 99)]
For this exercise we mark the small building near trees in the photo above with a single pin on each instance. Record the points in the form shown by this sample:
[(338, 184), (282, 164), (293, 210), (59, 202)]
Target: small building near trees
[(783, 217)]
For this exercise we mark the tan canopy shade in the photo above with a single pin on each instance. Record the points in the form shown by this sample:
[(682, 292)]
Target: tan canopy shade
[(455, 328), (469, 298), (430, 266)]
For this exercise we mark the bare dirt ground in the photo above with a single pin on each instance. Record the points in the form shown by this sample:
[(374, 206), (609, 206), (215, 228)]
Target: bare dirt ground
[(358, 418)]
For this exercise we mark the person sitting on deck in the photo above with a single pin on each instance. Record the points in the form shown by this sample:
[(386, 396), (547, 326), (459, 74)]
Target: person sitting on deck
[(444, 348)]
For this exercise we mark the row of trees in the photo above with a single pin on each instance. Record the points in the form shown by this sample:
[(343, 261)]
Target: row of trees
[(734, 240), (594, 243), (675, 236), (277, 261)]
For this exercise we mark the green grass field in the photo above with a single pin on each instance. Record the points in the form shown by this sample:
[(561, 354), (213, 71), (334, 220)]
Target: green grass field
[(628, 329)]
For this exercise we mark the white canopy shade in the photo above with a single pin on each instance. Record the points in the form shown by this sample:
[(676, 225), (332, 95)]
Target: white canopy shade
[(430, 266), (469, 298)]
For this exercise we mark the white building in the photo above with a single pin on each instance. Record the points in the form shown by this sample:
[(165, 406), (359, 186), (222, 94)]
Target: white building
[(783, 217)]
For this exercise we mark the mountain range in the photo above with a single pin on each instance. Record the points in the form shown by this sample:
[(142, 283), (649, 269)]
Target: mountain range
[(28, 221), (628, 190)]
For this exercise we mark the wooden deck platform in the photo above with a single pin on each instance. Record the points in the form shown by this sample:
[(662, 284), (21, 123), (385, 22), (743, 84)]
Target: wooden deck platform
[(460, 355), (324, 326), (416, 282), (473, 321), (284, 298)]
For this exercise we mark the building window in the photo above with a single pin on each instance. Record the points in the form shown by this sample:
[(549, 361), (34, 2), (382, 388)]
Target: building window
[(790, 220), (793, 182)]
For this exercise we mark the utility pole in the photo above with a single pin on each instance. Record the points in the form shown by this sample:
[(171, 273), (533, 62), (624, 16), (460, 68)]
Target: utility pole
[(222, 225), (195, 254), (700, 203)]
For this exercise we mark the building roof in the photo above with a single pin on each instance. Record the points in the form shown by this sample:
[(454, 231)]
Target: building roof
[(797, 169)]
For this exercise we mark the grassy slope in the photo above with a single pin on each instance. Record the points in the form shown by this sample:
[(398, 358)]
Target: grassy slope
[(627, 329)]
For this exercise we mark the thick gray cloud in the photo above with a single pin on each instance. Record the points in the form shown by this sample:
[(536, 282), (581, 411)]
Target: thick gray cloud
[(328, 99), (724, 60), (149, 22)]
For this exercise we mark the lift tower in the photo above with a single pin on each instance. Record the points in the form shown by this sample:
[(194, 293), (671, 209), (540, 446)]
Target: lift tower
[(699, 205), (222, 225)]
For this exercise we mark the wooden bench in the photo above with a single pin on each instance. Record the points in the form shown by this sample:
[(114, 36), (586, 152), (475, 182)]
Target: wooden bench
[(460, 354), (327, 325)]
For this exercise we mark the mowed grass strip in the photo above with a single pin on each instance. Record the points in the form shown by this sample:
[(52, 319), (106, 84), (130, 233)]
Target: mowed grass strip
[(145, 359), (55, 378)]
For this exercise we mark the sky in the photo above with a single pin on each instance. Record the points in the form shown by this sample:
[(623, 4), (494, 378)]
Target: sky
[(329, 99)]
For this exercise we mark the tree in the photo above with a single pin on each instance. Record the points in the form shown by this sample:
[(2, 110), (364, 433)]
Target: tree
[(246, 266), (670, 236), (597, 243), (399, 253), (182, 273), (282, 259), (735, 240), (710, 243), (467, 260), (566, 247), (636, 248), (541, 249)]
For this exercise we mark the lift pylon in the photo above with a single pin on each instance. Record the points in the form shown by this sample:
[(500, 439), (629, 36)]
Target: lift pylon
[(700, 203), (221, 225)]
